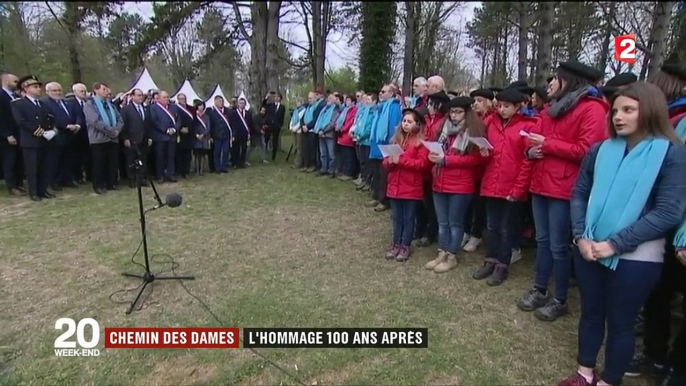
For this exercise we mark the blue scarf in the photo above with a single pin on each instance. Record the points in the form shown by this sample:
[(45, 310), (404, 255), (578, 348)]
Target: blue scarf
[(361, 118), (679, 102), (414, 101), (295, 118), (324, 119), (681, 130), (386, 120), (309, 113), (621, 187), (109, 119), (341, 118)]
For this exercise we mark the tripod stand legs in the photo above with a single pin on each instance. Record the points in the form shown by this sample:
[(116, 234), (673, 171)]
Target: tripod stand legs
[(148, 278)]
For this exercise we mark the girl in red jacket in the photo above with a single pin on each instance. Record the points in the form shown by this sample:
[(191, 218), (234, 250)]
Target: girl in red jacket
[(454, 179), (575, 119), (504, 186), (405, 187)]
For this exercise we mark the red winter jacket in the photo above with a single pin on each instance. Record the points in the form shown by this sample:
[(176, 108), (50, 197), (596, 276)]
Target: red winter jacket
[(567, 140), (406, 178), (458, 174), (504, 176), (345, 139)]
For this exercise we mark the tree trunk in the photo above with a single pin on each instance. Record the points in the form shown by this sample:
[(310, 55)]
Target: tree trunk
[(272, 54), (659, 35), (523, 40), (72, 21), (408, 59), (319, 12), (532, 61), (258, 51), (545, 41), (680, 42), (483, 69), (504, 76), (605, 49)]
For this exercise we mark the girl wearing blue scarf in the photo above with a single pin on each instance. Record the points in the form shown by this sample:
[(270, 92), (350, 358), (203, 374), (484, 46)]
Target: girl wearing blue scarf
[(324, 129), (628, 196)]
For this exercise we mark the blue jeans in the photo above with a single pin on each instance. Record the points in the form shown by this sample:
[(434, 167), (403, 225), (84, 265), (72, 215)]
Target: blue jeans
[(450, 213), (403, 214), (327, 154), (615, 298), (502, 223), (221, 155), (553, 224)]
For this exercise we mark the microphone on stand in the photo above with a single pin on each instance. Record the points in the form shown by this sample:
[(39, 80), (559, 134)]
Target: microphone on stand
[(171, 200)]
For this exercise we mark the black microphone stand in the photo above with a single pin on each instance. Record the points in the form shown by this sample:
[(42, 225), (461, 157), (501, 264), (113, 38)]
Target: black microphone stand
[(148, 277)]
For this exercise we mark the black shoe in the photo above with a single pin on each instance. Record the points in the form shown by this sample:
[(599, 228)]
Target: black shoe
[(423, 242), (551, 311), (675, 379), (112, 188), (100, 191), (36, 198), (56, 188), (47, 195), (70, 185), (484, 271), (532, 300), (499, 275)]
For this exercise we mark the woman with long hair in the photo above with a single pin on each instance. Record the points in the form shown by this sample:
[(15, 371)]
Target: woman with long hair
[(627, 198), (573, 121), (454, 178), (405, 188)]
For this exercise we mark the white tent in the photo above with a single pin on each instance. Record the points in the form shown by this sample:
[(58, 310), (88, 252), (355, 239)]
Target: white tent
[(247, 104), (187, 90), (217, 91), (144, 82)]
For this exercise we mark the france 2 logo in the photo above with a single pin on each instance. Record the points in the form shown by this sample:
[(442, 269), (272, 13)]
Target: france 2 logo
[(65, 348), (625, 48)]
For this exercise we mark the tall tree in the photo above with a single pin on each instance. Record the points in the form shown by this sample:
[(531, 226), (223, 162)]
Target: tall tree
[(377, 30)]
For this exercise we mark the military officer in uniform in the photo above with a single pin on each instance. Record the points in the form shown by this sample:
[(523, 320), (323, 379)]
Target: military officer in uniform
[(36, 129)]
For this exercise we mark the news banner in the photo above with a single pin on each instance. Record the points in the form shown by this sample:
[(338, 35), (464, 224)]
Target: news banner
[(86, 343)]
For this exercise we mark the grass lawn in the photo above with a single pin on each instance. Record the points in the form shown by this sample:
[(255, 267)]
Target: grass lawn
[(269, 247)]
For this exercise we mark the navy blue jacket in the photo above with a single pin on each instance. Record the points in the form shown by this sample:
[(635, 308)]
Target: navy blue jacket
[(62, 119), (663, 212), (161, 121)]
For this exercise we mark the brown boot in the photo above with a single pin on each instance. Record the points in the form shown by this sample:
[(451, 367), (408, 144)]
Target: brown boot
[(435, 262), (449, 263)]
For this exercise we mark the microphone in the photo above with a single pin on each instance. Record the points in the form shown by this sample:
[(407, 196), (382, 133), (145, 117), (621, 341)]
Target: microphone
[(171, 200)]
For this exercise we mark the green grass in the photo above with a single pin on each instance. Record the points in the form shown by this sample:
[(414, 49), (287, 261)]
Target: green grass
[(270, 247)]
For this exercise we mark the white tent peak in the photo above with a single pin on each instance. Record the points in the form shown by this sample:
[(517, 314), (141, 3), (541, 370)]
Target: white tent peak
[(144, 82), (217, 91), (247, 104), (187, 90)]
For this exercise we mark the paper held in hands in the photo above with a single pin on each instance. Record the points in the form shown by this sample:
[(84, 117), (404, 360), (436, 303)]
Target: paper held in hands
[(391, 150), (433, 147), (481, 142), (49, 134), (524, 133)]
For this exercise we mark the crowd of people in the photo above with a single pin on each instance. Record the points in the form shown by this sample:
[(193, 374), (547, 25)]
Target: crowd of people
[(57, 141), (600, 172), (597, 172)]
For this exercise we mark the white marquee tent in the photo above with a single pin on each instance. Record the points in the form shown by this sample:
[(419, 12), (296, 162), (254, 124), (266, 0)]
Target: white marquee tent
[(144, 82), (188, 91), (217, 91)]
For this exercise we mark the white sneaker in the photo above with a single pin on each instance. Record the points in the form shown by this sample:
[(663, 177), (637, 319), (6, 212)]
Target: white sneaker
[(465, 239), (472, 244), (516, 256)]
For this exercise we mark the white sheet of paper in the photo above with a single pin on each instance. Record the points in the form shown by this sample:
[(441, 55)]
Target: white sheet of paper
[(50, 134), (433, 147), (390, 150), (481, 142), (524, 133)]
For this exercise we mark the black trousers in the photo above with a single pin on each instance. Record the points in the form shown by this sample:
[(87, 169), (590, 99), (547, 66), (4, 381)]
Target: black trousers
[(130, 156), (12, 166), (239, 152), (657, 313), (61, 160), (275, 138), (183, 160), (165, 159), (105, 164), (426, 221), (379, 179), (37, 171), (83, 158), (310, 147), (475, 218), (365, 166)]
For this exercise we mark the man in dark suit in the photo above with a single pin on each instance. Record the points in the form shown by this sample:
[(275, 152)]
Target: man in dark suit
[(9, 138), (136, 137), (81, 153), (222, 135), (34, 122), (165, 125), (276, 114), (60, 155), (241, 123)]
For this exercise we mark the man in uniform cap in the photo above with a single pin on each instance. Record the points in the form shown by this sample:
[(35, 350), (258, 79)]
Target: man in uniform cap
[(34, 122)]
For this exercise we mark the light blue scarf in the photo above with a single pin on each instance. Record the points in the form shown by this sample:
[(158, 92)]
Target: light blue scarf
[(360, 119), (309, 113), (414, 101), (621, 187), (324, 119), (341, 118), (109, 119), (681, 130), (295, 118)]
